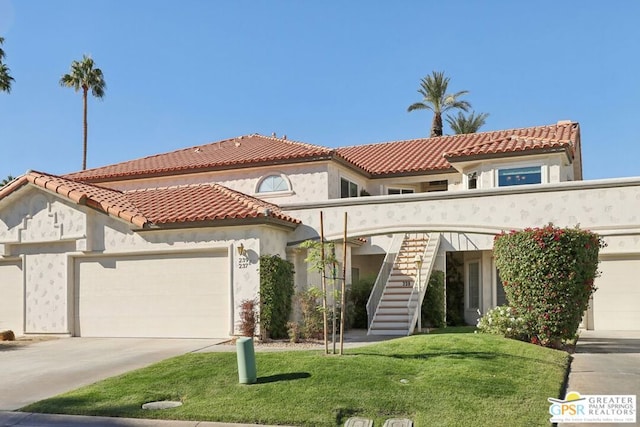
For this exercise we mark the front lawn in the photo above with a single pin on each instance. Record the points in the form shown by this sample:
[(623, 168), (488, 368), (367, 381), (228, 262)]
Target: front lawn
[(440, 379)]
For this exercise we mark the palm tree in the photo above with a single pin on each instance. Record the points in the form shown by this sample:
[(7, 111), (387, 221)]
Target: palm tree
[(433, 89), (84, 76), (5, 78), (462, 124)]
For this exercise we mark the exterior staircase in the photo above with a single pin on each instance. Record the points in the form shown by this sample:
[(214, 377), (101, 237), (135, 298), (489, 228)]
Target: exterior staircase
[(401, 285)]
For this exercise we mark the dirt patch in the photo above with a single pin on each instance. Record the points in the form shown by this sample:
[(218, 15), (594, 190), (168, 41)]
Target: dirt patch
[(282, 344)]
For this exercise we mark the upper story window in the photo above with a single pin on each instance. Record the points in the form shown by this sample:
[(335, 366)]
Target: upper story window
[(472, 181), (273, 183), (400, 191), (348, 188), (519, 176)]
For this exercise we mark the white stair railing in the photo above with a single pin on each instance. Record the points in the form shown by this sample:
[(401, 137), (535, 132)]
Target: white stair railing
[(383, 277), (414, 305)]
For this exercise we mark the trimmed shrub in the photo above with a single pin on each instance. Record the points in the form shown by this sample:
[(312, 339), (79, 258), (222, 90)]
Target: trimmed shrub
[(504, 320), (276, 293), (548, 275), (433, 304)]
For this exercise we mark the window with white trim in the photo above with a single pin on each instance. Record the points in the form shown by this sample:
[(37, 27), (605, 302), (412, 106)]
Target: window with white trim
[(519, 176), (472, 180), (473, 284), (348, 188), (272, 184)]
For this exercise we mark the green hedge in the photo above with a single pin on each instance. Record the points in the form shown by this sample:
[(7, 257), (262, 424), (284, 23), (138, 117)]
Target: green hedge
[(433, 304), (548, 275), (358, 296), (276, 293)]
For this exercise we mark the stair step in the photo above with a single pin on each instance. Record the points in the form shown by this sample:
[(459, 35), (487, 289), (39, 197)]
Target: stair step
[(382, 318), (398, 326), (392, 311), (395, 297), (388, 332), (393, 305)]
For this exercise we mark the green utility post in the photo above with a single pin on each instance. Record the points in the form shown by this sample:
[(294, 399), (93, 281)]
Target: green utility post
[(246, 361)]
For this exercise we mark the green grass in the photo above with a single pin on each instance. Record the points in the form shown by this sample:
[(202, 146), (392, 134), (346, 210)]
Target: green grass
[(451, 380)]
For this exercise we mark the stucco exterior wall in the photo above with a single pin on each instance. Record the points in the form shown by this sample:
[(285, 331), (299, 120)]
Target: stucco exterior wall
[(308, 181), (38, 216), (608, 207)]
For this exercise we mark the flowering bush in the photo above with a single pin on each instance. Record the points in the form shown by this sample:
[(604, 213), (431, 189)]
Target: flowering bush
[(548, 276), (504, 320)]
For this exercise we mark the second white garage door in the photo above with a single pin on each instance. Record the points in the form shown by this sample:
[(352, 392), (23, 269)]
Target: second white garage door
[(159, 296), (616, 303)]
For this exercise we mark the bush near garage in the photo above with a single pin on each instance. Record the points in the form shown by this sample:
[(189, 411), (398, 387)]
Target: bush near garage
[(276, 294), (548, 276)]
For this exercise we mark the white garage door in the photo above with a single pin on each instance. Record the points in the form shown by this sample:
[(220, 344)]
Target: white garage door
[(616, 303), (160, 296), (11, 297)]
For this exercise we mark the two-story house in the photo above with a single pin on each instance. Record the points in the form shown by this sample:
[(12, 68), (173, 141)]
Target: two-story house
[(169, 245)]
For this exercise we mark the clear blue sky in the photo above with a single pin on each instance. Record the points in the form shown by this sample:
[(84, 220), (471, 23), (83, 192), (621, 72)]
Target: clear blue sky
[(333, 73)]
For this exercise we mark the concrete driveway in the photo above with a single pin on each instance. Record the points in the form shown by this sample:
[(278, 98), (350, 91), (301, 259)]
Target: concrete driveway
[(605, 362), (45, 369)]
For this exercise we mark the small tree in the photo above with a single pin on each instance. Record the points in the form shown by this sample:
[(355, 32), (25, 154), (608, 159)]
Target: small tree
[(248, 317), (548, 276)]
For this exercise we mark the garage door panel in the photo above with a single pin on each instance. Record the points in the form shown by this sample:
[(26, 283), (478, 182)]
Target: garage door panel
[(11, 297), (184, 295), (616, 303)]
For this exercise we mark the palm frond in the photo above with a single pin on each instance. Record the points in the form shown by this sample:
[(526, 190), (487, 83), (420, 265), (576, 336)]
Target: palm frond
[(84, 76), (5, 79), (462, 124), (418, 106)]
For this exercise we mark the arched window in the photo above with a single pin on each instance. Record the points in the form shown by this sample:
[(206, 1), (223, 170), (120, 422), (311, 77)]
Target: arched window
[(273, 183)]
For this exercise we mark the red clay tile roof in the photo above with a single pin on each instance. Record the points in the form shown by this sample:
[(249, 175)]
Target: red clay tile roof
[(143, 208), (201, 202), (243, 151), (433, 154), (382, 159), (510, 144)]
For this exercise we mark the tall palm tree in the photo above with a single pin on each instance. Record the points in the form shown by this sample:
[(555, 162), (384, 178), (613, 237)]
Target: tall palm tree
[(462, 124), (84, 76), (433, 89), (5, 78)]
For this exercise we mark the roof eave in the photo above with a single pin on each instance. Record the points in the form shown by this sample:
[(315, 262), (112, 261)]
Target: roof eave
[(421, 172), (193, 170), (475, 157), (216, 223)]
